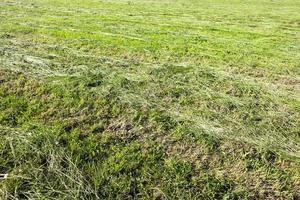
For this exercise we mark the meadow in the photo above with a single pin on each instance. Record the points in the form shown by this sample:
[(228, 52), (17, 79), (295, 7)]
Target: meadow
[(148, 99)]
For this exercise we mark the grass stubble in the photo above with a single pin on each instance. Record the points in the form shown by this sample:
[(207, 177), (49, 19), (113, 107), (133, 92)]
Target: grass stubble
[(149, 99)]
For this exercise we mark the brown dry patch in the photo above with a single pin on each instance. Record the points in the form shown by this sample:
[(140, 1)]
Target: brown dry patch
[(230, 162), (117, 125), (289, 82), (121, 129), (2, 77), (6, 75)]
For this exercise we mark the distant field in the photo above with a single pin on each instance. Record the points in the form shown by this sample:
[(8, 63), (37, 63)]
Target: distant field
[(141, 99)]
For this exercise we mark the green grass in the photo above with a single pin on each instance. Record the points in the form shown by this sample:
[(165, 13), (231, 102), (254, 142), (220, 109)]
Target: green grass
[(182, 99)]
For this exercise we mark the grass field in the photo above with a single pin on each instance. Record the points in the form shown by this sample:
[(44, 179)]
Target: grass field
[(149, 99)]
